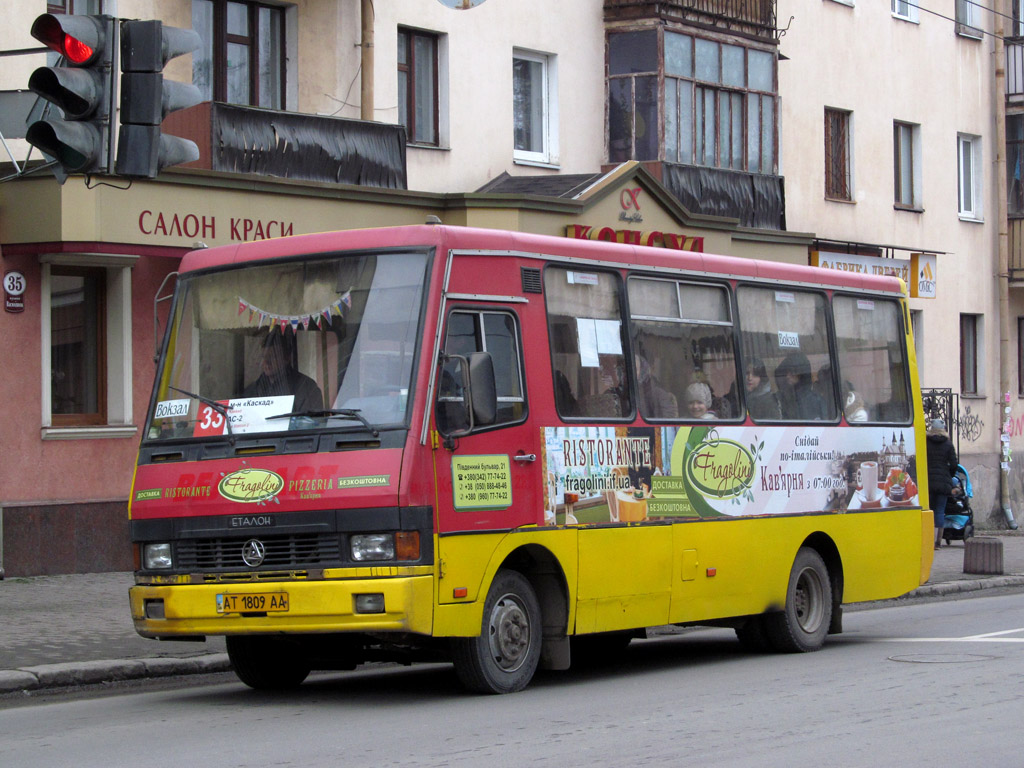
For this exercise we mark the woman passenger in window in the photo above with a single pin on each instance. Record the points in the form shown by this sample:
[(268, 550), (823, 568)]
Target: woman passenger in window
[(762, 403), (655, 401), (698, 401), (797, 398)]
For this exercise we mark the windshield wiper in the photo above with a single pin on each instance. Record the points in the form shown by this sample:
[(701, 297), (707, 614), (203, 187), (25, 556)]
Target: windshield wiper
[(218, 407), (352, 413)]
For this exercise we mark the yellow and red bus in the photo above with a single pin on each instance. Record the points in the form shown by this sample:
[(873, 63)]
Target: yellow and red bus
[(493, 447)]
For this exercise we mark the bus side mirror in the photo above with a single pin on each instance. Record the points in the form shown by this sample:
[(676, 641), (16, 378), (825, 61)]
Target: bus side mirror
[(467, 395), (482, 390)]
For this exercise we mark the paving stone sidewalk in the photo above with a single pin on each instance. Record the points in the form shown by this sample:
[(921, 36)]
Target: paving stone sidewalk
[(77, 629)]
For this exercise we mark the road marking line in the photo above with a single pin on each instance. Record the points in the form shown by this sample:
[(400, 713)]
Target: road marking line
[(994, 634), (975, 639)]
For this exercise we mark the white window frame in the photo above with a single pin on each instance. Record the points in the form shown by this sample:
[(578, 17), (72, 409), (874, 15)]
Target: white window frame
[(914, 133), (905, 10), (969, 181), (118, 343), (548, 156)]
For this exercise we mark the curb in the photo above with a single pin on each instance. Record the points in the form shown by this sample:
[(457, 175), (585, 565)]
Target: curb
[(964, 585), (92, 672)]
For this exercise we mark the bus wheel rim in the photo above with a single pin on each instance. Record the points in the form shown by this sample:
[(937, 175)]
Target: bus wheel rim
[(810, 600), (509, 633)]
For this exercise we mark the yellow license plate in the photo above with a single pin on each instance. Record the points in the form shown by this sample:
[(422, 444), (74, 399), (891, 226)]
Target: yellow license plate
[(260, 602)]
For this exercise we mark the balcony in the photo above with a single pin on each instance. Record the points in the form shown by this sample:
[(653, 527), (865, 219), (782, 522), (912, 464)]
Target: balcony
[(1016, 251), (755, 16), (292, 145)]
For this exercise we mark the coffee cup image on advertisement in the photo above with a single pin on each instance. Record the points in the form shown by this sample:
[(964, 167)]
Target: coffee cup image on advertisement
[(867, 480)]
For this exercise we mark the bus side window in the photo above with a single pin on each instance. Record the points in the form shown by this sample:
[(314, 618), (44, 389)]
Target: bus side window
[(497, 334), (585, 328), (788, 331), (869, 340), (683, 339)]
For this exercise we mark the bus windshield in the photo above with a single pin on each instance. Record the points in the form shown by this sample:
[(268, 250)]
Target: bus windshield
[(319, 343)]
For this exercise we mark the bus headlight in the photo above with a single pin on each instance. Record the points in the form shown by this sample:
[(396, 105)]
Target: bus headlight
[(373, 546), (156, 556)]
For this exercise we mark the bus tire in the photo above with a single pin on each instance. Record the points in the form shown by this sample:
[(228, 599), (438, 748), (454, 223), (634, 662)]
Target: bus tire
[(802, 625), (503, 658), (266, 663)]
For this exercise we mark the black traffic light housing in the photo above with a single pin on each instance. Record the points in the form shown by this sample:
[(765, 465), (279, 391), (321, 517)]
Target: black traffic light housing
[(81, 141), (146, 98)]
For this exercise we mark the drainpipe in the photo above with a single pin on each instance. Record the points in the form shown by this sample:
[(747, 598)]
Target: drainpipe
[(1003, 275), (366, 60)]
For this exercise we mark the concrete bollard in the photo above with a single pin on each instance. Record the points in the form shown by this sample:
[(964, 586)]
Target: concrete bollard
[(983, 555)]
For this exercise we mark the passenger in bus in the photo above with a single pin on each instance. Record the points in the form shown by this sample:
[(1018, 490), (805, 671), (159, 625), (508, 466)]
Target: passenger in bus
[(278, 375), (698, 401), (655, 401), (797, 398), (853, 405), (762, 404), (612, 400)]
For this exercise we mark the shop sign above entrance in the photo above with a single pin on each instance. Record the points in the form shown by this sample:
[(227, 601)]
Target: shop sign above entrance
[(919, 272), (657, 239), (14, 291)]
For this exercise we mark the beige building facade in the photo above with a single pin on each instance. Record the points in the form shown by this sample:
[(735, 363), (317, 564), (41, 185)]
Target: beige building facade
[(576, 122)]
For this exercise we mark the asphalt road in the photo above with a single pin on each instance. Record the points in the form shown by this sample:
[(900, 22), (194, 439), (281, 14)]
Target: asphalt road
[(913, 684)]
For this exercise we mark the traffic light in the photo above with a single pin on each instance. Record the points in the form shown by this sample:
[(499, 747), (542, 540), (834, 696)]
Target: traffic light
[(146, 98), (81, 141)]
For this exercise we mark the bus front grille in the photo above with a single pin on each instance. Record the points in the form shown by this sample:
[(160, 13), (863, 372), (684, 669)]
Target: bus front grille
[(283, 551)]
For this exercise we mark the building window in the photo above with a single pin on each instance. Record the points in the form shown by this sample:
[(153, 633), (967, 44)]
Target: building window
[(417, 86), (1020, 356), (905, 9), (967, 18), (906, 165), (1015, 164), (534, 100), (837, 154), (242, 56), (86, 333), (81, 7), (1018, 18), (969, 175), (77, 348), (917, 328), (969, 354), (719, 102)]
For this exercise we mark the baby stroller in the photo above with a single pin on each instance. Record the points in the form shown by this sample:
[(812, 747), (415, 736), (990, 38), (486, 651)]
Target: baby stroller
[(959, 516)]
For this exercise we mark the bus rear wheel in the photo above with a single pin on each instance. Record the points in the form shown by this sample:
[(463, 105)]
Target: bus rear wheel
[(802, 625), (504, 657), (267, 663)]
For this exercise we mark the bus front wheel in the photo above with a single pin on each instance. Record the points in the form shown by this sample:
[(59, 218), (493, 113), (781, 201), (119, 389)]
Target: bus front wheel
[(804, 622), (266, 663), (505, 655)]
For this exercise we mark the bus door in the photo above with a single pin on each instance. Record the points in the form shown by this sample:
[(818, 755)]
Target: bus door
[(489, 478)]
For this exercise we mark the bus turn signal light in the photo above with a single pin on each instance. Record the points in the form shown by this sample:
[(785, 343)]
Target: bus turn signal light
[(407, 545)]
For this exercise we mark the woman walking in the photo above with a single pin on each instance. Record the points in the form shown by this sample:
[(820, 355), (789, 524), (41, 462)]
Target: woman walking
[(942, 463)]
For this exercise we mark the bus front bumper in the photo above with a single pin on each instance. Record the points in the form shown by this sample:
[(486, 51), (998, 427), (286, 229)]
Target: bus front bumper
[(403, 604)]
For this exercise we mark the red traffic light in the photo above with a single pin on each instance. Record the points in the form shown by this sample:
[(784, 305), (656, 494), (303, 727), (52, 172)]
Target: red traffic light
[(79, 38)]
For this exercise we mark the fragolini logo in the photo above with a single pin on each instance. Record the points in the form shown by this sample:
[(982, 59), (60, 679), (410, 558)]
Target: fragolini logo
[(250, 485)]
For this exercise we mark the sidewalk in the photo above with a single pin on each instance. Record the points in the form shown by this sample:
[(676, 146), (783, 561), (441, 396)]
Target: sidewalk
[(74, 630)]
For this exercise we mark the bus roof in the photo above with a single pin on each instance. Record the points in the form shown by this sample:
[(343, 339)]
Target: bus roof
[(477, 239)]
